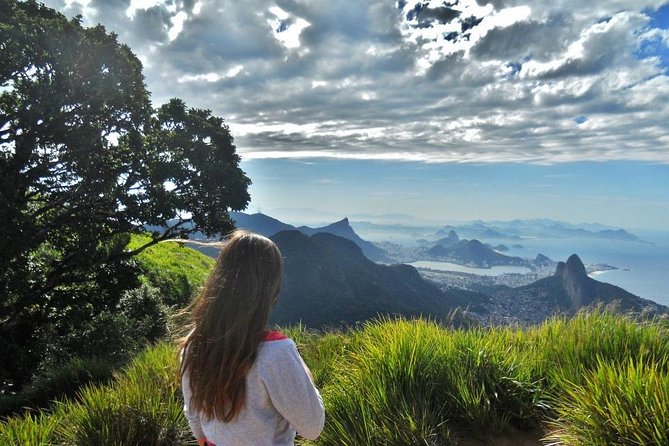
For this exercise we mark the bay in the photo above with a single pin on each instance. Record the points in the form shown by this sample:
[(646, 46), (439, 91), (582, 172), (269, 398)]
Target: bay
[(448, 266)]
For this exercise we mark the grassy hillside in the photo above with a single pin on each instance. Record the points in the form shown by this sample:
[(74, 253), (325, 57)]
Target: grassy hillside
[(596, 379), (176, 270)]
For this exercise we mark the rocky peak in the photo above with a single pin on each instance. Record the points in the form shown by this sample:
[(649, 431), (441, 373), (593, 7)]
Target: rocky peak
[(343, 223), (575, 281)]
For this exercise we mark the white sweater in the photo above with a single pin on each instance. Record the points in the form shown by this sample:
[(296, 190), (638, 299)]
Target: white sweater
[(280, 399)]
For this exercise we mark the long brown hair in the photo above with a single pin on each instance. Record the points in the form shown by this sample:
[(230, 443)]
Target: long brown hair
[(230, 316)]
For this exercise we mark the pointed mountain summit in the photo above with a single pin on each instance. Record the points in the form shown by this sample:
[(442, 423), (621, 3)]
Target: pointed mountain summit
[(571, 289), (580, 288), (566, 292), (268, 226), (451, 239), (542, 260)]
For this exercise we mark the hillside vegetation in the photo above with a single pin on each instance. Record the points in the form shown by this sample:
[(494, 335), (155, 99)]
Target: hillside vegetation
[(93, 348), (176, 270), (595, 379)]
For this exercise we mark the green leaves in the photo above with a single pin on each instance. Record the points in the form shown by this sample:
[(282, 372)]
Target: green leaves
[(85, 161)]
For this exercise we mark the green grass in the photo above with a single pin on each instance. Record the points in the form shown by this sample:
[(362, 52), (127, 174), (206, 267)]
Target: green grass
[(176, 270), (595, 379), (617, 404), (142, 407), (29, 429)]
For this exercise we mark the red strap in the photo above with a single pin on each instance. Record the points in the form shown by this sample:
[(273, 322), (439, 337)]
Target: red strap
[(274, 335)]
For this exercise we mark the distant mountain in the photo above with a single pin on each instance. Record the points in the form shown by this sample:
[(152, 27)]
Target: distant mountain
[(537, 228), (268, 226), (343, 228), (473, 252), (619, 234), (451, 239), (567, 291), (329, 282), (542, 260), (259, 223), (478, 229)]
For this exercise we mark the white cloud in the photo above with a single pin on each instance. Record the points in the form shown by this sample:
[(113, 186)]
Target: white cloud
[(141, 4), (177, 25), (287, 28), (504, 81)]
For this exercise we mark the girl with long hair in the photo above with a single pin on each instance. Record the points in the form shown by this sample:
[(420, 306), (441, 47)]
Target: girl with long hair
[(242, 384)]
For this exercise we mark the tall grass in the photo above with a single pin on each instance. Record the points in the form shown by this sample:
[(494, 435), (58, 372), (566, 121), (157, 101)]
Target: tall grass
[(29, 430), (414, 382), (142, 407), (595, 379), (616, 405), (384, 391), (566, 349)]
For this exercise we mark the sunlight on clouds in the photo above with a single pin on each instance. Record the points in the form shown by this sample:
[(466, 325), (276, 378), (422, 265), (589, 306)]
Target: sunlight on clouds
[(470, 22), (141, 4), (286, 28), (211, 77), (430, 81), (243, 129), (177, 25), (86, 11)]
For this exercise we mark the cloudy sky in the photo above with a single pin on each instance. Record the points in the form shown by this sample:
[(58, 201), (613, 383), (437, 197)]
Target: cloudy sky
[(447, 110)]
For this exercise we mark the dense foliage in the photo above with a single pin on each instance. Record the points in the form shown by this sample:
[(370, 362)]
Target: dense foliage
[(85, 161), (596, 379)]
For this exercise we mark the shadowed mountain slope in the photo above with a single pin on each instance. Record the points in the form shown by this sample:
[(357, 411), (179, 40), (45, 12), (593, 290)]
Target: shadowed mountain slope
[(329, 282), (268, 226), (343, 229)]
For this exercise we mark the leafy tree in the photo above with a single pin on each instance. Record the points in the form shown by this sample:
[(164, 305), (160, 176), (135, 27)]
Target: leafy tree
[(84, 162)]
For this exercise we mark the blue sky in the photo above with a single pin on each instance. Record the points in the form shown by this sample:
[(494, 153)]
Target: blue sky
[(452, 110), (624, 194)]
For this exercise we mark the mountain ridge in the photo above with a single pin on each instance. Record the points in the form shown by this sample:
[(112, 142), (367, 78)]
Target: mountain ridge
[(329, 282), (269, 226)]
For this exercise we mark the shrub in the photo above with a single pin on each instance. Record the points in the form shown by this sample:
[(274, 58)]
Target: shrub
[(57, 383), (109, 335), (144, 307)]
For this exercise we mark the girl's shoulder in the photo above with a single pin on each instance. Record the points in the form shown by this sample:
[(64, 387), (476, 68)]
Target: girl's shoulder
[(275, 344), (274, 335)]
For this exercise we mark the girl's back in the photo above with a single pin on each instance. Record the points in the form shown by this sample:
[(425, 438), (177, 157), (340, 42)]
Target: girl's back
[(243, 385), (280, 400)]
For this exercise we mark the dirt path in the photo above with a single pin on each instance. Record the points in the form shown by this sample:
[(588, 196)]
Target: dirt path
[(513, 439)]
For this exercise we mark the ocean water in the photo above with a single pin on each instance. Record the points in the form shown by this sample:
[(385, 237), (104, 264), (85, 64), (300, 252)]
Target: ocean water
[(643, 266)]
